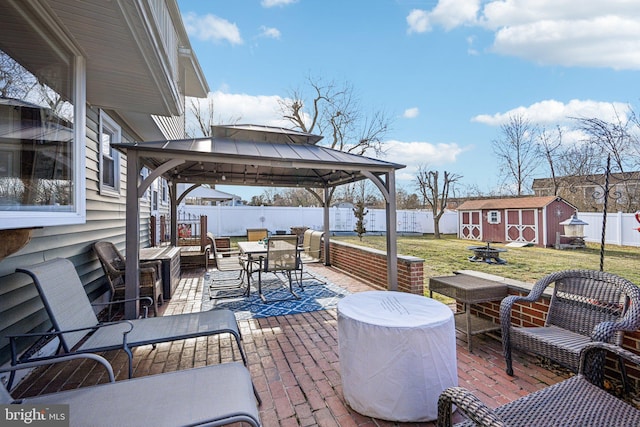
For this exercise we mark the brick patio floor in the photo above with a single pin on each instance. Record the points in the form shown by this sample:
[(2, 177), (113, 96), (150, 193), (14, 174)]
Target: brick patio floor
[(294, 363)]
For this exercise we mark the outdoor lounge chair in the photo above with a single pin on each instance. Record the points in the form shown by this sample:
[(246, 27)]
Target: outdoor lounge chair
[(585, 306), (113, 265), (206, 396), (77, 327), (578, 401)]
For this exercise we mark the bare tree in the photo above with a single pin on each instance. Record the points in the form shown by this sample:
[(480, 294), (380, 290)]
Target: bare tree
[(406, 200), (15, 81), (334, 111), (434, 193), (516, 151), (615, 140), (360, 211), (200, 116), (550, 146)]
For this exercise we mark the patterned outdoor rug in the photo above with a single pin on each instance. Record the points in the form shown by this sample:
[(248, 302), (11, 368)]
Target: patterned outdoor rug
[(315, 296)]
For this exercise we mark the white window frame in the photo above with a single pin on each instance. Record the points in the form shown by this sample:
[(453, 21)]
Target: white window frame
[(108, 125), (10, 219), (165, 191), (494, 217)]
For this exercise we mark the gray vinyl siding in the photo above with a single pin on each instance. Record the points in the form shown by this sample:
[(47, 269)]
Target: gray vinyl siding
[(21, 309), (172, 127)]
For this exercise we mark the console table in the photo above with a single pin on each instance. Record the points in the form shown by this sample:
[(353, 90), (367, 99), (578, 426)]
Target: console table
[(170, 258), (469, 290)]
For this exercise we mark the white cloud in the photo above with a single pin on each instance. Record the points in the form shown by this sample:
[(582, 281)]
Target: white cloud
[(272, 33), (552, 112), (211, 28), (415, 154), (418, 21), (411, 113), (243, 108), (239, 108), (447, 13), (274, 3), (556, 32)]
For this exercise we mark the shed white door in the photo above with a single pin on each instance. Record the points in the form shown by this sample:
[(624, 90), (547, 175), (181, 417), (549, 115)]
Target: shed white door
[(471, 225), (522, 225)]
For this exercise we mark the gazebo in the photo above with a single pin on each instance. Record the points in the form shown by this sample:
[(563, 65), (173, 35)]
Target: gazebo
[(250, 155)]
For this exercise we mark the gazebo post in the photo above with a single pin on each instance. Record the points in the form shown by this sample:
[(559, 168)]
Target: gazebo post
[(132, 227), (392, 240), (388, 190), (174, 213), (325, 212)]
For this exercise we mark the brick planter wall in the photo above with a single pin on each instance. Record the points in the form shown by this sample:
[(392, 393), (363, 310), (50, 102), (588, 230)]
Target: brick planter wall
[(370, 265)]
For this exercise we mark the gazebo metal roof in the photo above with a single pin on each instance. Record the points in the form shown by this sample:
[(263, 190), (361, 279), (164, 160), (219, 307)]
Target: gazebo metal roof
[(257, 156), (250, 155)]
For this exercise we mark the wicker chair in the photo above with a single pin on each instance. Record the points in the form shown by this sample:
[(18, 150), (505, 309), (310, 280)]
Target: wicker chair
[(114, 269), (585, 306), (578, 401)]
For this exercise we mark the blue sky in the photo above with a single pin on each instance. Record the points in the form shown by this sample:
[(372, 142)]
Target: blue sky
[(449, 73)]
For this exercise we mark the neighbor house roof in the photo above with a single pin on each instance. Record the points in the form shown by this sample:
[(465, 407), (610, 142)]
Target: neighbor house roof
[(509, 203)]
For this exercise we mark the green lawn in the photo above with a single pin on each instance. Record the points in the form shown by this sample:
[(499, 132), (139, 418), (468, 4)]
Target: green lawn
[(443, 256)]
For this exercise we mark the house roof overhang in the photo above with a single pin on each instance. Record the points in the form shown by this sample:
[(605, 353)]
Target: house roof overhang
[(138, 56)]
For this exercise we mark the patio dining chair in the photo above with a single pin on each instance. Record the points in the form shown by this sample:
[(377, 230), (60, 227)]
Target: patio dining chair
[(76, 326), (113, 265), (309, 254), (255, 234), (282, 257), (210, 395), (227, 260)]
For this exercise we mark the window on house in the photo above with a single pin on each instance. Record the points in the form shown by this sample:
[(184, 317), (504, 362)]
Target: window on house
[(41, 120), (493, 217), (165, 191), (109, 158)]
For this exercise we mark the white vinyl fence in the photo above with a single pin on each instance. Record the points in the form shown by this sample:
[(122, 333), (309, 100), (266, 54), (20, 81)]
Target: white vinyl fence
[(234, 221), (620, 230)]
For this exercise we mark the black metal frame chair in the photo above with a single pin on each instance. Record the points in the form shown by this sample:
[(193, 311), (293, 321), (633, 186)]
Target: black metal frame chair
[(282, 257)]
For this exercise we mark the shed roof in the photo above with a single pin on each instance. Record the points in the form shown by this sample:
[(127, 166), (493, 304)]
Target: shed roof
[(509, 203)]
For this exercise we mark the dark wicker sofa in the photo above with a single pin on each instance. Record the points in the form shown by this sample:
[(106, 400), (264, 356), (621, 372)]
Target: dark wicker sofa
[(585, 306), (578, 401)]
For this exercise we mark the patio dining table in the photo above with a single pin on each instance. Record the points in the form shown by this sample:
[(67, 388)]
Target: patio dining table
[(253, 251)]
